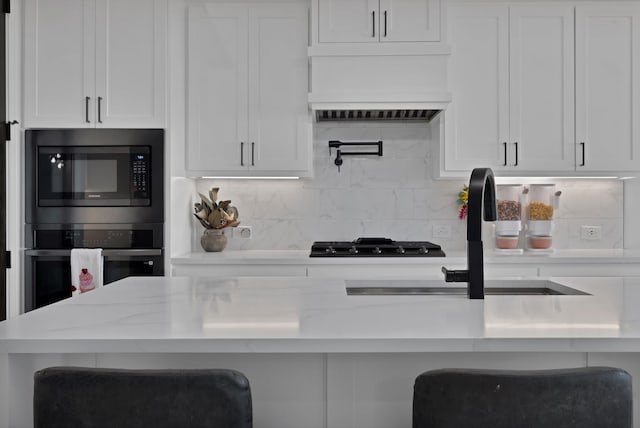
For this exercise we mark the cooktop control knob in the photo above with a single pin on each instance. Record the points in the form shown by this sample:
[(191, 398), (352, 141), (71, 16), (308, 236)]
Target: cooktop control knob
[(423, 250), (330, 250), (376, 250), (400, 250), (353, 250)]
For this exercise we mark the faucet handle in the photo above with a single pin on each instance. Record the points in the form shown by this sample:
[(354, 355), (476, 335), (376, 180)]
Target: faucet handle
[(455, 275)]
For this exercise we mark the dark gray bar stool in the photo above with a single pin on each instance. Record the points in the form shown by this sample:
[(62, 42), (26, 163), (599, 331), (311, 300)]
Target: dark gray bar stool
[(78, 397), (592, 397)]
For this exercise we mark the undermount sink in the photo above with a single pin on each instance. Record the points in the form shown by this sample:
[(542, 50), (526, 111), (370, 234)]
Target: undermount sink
[(499, 287)]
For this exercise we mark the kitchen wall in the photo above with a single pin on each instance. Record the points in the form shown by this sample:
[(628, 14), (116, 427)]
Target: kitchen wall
[(393, 196)]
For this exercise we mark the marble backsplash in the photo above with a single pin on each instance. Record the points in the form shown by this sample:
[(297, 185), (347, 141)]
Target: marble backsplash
[(393, 196)]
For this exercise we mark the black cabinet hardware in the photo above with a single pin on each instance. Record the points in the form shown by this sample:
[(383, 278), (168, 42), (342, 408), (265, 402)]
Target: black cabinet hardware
[(385, 23), (99, 109), (516, 144), (7, 129), (373, 22), (253, 146), (505, 153), (86, 109), (241, 153), (582, 145)]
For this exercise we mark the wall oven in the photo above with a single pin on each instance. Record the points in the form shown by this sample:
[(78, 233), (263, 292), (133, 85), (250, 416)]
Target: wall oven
[(128, 250), (91, 188)]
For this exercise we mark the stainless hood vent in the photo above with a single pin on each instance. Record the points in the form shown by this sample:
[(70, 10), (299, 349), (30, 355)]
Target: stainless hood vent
[(424, 115)]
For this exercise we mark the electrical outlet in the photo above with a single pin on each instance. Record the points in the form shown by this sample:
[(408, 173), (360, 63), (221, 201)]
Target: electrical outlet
[(591, 233), (243, 232), (441, 231)]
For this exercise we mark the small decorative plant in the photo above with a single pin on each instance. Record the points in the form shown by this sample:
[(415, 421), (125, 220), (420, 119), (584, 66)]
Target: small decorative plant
[(463, 198), (213, 214)]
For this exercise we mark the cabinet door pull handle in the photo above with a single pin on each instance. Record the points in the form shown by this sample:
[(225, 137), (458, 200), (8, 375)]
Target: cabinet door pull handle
[(385, 23), (516, 144), (373, 23), (505, 153), (241, 153), (253, 146), (582, 145), (86, 109), (99, 109)]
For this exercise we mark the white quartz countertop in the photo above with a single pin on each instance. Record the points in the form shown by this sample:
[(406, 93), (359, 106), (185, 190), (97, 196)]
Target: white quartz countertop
[(301, 257), (299, 315)]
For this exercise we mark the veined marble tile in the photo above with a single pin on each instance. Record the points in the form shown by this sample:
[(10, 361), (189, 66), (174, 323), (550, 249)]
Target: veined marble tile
[(389, 173), (366, 204), (591, 198)]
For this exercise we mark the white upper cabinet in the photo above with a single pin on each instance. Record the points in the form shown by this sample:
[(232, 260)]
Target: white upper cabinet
[(247, 90), (95, 63), (541, 88), (608, 88), (511, 75), (373, 21)]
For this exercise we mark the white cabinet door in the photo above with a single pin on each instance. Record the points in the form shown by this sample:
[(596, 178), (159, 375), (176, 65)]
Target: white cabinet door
[(59, 59), (409, 20), (217, 87), (477, 121), (84, 57), (130, 63), (373, 21), (247, 90), (541, 87), (278, 87), (348, 21), (608, 88), (511, 74)]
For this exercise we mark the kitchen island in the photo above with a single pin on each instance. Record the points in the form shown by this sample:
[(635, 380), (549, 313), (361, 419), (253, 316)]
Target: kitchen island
[(314, 355)]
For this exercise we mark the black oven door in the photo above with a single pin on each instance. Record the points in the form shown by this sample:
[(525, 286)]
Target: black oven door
[(48, 272), (93, 176)]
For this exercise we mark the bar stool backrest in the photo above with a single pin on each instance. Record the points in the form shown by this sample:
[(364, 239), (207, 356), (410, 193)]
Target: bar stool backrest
[(592, 397), (79, 397)]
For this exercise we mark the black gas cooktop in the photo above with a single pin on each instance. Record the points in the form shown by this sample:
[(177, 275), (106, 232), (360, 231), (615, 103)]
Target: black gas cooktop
[(375, 247)]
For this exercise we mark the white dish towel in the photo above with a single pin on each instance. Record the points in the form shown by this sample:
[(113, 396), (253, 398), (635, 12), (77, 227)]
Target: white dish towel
[(86, 269)]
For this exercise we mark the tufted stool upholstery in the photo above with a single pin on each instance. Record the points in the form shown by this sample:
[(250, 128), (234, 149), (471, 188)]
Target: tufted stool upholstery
[(592, 397), (79, 397)]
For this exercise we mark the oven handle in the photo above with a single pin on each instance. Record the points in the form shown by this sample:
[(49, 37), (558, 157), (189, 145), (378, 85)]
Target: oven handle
[(105, 253)]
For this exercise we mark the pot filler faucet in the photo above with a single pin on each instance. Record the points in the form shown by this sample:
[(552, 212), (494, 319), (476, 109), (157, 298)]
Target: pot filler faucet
[(482, 187)]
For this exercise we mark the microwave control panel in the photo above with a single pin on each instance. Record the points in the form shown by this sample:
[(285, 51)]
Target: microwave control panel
[(140, 175)]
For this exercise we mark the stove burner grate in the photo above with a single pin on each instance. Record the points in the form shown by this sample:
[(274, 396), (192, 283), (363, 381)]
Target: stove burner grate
[(375, 247)]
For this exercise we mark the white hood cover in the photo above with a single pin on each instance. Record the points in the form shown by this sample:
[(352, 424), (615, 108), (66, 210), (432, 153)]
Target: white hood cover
[(353, 87)]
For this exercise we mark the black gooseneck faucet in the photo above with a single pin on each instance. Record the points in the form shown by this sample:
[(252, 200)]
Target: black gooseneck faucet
[(482, 188)]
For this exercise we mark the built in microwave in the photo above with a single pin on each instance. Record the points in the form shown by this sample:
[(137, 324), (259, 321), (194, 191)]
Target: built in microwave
[(69, 172)]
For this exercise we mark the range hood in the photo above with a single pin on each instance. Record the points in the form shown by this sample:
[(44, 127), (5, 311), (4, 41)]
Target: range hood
[(378, 85), (378, 106)]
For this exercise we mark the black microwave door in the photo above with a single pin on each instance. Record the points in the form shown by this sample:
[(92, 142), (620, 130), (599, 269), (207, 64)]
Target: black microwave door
[(93, 176)]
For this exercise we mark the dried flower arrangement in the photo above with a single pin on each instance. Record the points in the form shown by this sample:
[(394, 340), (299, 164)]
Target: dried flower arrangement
[(213, 214)]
